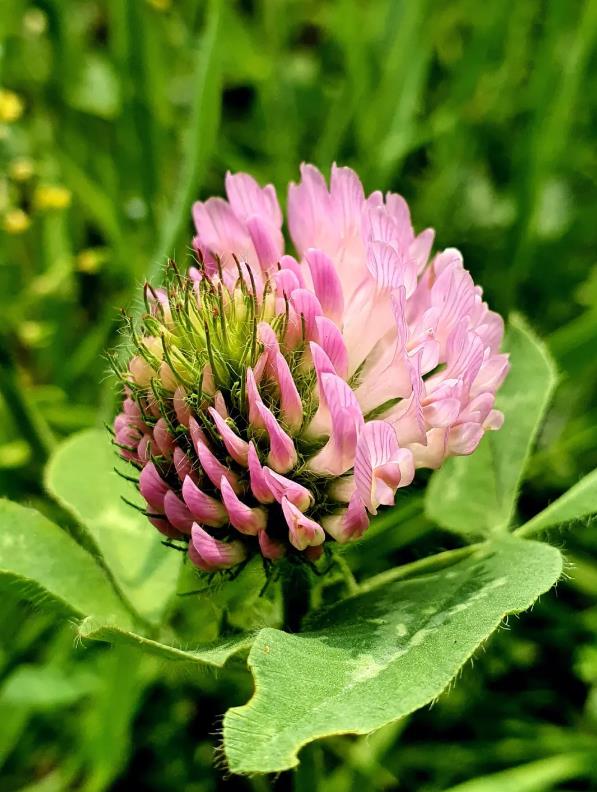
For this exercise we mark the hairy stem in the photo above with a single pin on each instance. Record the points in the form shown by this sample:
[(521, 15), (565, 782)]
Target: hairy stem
[(296, 595)]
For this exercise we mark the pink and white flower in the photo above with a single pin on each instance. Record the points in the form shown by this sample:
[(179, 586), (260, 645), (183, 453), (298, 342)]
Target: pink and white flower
[(275, 401)]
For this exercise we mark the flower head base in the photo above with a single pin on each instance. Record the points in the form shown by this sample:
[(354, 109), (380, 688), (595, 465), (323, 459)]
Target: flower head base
[(273, 403)]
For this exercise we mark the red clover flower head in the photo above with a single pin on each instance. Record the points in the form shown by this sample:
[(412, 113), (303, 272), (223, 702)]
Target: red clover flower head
[(272, 402)]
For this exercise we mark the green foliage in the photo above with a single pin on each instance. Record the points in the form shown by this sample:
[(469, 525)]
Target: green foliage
[(378, 656), (44, 687), (41, 557), (483, 116), (537, 776), (145, 571), (580, 501), (215, 654)]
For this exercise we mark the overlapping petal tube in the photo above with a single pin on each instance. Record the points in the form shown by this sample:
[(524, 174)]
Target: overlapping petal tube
[(274, 402)]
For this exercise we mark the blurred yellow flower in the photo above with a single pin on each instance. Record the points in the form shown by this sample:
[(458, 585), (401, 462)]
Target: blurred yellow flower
[(160, 5), (34, 334), (11, 106), (21, 169), (51, 196), (16, 221), (91, 260), (35, 22)]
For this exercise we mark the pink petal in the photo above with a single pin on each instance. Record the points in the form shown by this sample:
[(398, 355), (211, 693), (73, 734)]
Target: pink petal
[(477, 409), (247, 198), (267, 241), (398, 210), (420, 248), (381, 225), (242, 517), (177, 512), (282, 453), (121, 422), (196, 432), (163, 439), (144, 448), (443, 412), (377, 467), (282, 487), (494, 421), (464, 439), (291, 405), (167, 377), (453, 294), (128, 436), (290, 263), (259, 486), (236, 446), (213, 468), (303, 532), (204, 508), (141, 372), (210, 554), (350, 524), (407, 417), (286, 282), (270, 548), (331, 341), (260, 367), (321, 362), (337, 456), (347, 198), (254, 400), (153, 487), (220, 231), (133, 411), (307, 307), (308, 203), (220, 404), (432, 453), (320, 423), (464, 353), (491, 375), (386, 375), (267, 336), (390, 269), (326, 284), (182, 463)]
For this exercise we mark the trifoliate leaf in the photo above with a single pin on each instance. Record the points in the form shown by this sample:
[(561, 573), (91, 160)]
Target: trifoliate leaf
[(380, 655)]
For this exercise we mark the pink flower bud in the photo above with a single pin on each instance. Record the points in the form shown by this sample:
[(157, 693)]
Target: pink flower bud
[(183, 414), (282, 487), (270, 548), (303, 532), (210, 554), (153, 487), (258, 481), (177, 512), (242, 517), (282, 453), (203, 508), (237, 448)]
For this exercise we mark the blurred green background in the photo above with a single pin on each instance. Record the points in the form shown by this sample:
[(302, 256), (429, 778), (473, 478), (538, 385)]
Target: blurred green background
[(114, 116)]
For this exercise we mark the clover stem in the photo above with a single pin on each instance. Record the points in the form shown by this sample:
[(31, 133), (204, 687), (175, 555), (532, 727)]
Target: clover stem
[(296, 595)]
